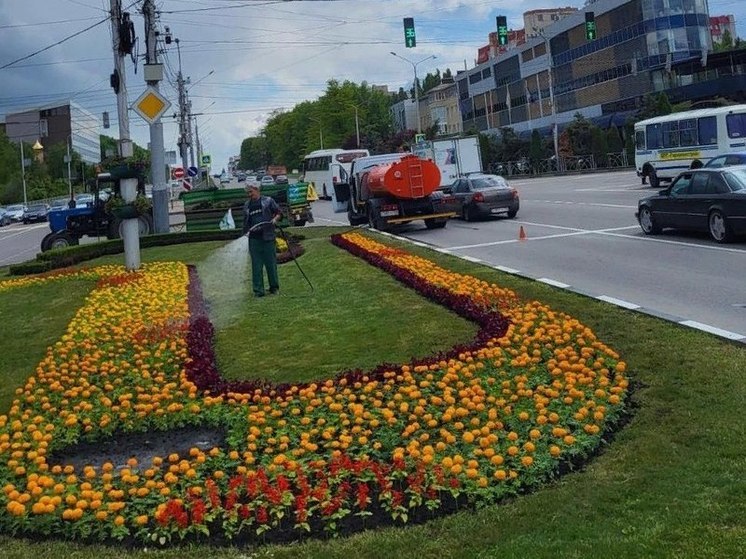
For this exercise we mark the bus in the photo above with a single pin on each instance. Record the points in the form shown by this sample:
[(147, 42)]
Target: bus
[(667, 145), (326, 167)]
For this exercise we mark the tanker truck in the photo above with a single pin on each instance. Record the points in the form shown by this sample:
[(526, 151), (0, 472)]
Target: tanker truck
[(391, 189)]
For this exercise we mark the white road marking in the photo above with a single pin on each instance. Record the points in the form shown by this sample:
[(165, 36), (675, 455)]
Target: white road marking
[(17, 232), (594, 204), (472, 259), (555, 283), (573, 232), (618, 302), (331, 221), (666, 241), (712, 330)]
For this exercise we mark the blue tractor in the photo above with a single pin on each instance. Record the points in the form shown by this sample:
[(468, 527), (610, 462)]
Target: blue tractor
[(92, 219)]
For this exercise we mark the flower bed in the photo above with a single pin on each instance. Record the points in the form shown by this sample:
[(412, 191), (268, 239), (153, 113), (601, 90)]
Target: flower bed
[(533, 391)]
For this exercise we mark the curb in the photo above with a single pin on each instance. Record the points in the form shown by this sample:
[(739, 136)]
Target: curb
[(686, 323)]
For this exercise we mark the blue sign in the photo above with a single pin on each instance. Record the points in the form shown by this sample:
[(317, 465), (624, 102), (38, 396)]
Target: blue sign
[(192, 171)]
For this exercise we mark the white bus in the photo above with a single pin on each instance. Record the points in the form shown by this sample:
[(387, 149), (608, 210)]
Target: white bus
[(667, 145), (325, 168)]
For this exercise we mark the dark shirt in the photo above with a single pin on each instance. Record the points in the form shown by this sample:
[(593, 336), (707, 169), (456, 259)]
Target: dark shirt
[(255, 218)]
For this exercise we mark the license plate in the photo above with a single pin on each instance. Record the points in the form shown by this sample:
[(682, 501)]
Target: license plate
[(499, 210), (390, 213)]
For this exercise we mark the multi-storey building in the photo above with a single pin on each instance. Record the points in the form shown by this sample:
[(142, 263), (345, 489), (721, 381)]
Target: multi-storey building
[(719, 25), (57, 123), (536, 21), (442, 109), (404, 114), (552, 77)]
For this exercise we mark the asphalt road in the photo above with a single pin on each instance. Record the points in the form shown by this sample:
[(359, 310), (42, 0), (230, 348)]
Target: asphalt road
[(582, 233), (19, 242)]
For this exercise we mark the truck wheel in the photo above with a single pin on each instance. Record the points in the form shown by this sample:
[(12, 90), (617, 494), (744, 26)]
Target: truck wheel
[(435, 223), (45, 242), (144, 225), (373, 222), (61, 240), (355, 219)]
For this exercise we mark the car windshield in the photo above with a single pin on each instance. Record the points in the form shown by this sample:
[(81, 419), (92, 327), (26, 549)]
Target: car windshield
[(736, 179), (37, 208), (488, 182), (15, 208)]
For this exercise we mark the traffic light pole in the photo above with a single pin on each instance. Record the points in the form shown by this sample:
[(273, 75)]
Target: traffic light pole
[(157, 154)]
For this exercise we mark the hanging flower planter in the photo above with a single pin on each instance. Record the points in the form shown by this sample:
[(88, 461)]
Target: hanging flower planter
[(127, 211), (127, 171)]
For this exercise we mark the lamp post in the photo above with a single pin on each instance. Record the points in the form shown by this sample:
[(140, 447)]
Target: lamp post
[(321, 132), (69, 169), (551, 98), (23, 175), (357, 125), (416, 88)]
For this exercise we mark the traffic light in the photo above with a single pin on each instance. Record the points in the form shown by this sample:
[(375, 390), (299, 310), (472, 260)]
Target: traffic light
[(590, 26), (410, 37), (502, 30)]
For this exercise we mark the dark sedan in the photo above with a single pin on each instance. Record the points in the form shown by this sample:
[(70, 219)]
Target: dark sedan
[(35, 212), (727, 160), (709, 200), (481, 195)]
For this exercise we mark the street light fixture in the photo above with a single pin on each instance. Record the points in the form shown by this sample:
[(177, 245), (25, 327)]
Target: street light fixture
[(416, 89)]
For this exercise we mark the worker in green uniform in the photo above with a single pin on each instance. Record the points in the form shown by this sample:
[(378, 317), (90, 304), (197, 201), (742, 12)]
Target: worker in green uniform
[(260, 214)]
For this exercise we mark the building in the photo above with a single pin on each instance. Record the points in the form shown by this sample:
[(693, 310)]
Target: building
[(404, 114), (719, 25), (57, 123), (441, 107), (536, 21), (552, 77)]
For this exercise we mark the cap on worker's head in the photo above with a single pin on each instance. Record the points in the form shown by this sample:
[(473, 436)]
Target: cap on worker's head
[(253, 186)]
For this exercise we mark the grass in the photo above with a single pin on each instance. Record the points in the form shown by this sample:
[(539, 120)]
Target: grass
[(670, 484), (356, 317)]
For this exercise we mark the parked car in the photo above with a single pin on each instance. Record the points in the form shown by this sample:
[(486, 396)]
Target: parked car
[(82, 200), (727, 160), (16, 212), (59, 204), (4, 217), (709, 200), (35, 213), (267, 180), (281, 179), (241, 177), (225, 179), (481, 195)]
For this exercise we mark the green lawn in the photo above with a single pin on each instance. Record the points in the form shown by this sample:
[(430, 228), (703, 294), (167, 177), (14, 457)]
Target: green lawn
[(670, 484)]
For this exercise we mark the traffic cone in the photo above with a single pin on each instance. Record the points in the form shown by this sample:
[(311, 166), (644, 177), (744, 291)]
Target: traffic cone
[(522, 234)]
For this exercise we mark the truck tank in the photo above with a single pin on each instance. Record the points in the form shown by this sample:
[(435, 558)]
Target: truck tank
[(409, 178)]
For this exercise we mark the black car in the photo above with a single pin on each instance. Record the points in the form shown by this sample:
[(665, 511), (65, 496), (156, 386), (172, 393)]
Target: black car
[(35, 212), (482, 195), (710, 200), (727, 160)]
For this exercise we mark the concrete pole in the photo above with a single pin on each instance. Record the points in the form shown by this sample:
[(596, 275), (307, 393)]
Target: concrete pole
[(69, 170), (127, 187), (157, 154), (125, 144), (130, 227), (417, 99), (23, 175)]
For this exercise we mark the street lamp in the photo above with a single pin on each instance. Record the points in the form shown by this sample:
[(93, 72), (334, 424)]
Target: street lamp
[(321, 132), (540, 32), (416, 92), (357, 125)]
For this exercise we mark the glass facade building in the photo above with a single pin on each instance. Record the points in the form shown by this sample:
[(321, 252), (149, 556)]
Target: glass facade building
[(552, 77)]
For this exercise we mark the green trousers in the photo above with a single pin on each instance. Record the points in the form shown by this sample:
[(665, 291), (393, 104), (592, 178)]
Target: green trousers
[(263, 255)]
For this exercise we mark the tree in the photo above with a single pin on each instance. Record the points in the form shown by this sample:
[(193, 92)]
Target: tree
[(726, 43), (613, 140), (579, 133), (599, 147), (663, 105), (536, 150), (254, 153)]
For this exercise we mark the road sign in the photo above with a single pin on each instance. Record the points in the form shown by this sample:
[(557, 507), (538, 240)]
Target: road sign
[(410, 36), (151, 105), (206, 160), (192, 171), (177, 173), (186, 184)]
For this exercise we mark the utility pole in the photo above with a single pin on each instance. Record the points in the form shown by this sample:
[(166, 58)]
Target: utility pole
[(154, 74), (127, 187), (189, 133), (69, 169), (183, 111)]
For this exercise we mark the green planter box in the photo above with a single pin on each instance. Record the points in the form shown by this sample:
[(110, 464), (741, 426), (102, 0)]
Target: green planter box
[(128, 211)]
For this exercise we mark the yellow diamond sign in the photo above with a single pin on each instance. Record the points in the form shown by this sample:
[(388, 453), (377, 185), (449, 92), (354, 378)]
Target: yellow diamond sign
[(151, 105)]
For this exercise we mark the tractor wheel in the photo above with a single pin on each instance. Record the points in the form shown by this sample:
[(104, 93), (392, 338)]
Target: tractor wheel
[(145, 226), (61, 240)]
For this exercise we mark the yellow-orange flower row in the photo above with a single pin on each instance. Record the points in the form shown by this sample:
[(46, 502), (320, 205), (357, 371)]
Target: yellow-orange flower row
[(490, 420)]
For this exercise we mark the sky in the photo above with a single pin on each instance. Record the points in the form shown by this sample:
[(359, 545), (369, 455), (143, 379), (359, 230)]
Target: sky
[(246, 58)]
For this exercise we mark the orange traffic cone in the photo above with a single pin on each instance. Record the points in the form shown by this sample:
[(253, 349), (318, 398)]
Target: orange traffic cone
[(522, 234)]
